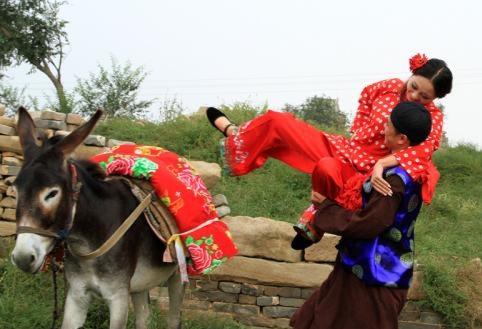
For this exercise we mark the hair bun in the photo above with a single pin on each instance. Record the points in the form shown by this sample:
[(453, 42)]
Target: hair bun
[(417, 61)]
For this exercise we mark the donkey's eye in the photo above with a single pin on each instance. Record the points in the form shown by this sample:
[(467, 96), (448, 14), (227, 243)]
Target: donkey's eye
[(51, 194)]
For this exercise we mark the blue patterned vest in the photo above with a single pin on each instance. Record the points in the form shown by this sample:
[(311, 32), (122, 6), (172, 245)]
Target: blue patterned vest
[(386, 260)]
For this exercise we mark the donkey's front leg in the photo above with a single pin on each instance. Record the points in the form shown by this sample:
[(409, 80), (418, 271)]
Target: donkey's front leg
[(141, 308), (118, 303), (176, 296), (76, 306)]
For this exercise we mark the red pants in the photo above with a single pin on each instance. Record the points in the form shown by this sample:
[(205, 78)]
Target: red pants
[(292, 141)]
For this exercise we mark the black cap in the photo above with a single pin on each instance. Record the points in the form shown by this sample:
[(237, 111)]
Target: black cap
[(413, 120)]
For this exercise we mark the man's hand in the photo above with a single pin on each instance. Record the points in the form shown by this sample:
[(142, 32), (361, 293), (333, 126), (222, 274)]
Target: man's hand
[(317, 197)]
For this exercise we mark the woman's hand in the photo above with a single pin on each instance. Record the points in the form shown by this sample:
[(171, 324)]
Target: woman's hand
[(379, 184), (317, 197)]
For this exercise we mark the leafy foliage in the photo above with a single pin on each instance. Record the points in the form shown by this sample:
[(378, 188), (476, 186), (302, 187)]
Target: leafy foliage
[(13, 97), (32, 32), (115, 91), (322, 111)]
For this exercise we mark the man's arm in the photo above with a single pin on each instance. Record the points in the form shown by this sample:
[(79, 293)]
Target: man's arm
[(377, 216)]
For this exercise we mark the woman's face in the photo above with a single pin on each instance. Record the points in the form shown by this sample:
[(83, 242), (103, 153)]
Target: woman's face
[(419, 89)]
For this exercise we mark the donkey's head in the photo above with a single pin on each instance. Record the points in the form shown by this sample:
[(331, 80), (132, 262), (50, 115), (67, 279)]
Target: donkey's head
[(45, 191)]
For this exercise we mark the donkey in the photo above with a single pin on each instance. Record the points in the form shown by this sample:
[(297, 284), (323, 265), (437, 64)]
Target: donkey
[(48, 201)]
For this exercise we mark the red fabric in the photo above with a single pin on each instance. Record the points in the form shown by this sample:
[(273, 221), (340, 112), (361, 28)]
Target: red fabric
[(183, 192), (294, 142)]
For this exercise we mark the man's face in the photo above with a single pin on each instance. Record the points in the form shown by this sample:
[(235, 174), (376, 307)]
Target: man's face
[(393, 139)]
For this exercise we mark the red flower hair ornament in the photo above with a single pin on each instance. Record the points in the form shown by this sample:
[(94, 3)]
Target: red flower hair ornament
[(417, 62)]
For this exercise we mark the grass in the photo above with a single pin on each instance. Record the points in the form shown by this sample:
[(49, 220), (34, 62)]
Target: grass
[(26, 301)]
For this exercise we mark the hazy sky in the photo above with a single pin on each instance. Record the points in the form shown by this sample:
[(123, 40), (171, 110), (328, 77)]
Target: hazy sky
[(276, 52)]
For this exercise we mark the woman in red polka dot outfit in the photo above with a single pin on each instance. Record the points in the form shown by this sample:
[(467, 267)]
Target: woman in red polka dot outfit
[(338, 164)]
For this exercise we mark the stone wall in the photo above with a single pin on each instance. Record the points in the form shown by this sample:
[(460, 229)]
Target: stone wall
[(261, 287)]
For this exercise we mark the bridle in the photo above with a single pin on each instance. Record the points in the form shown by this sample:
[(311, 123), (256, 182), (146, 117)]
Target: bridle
[(62, 235)]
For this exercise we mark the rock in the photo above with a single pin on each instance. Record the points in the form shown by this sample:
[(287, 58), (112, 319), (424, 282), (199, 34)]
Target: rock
[(307, 292), (95, 140), (290, 292), (9, 214), (263, 237), (50, 124), (9, 180), (246, 299), (210, 172), (260, 271), (291, 302), (11, 191), (8, 202), (51, 115), (3, 186), (7, 228), (279, 311), (10, 144), (74, 119), (6, 130), (206, 285), (231, 287), (215, 296), (220, 200), (71, 127), (11, 161), (115, 142), (8, 122), (9, 170), (252, 289), (246, 309), (323, 251), (83, 152), (62, 133), (415, 292), (267, 300), (10, 154), (223, 211)]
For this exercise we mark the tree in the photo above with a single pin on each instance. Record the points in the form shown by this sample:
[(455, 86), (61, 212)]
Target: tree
[(13, 97), (31, 32), (320, 110), (114, 91)]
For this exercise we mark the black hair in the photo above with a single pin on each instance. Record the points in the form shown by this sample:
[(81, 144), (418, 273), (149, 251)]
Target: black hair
[(437, 71), (413, 120)]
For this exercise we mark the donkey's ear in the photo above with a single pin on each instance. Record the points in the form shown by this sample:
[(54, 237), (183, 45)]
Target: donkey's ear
[(27, 133), (76, 137)]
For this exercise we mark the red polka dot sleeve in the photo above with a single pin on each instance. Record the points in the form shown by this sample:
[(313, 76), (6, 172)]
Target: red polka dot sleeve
[(414, 159), (367, 97)]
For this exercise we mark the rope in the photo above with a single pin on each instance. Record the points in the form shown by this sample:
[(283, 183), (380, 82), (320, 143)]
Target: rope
[(55, 312)]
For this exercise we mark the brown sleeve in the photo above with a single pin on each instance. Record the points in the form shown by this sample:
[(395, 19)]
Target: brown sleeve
[(373, 219)]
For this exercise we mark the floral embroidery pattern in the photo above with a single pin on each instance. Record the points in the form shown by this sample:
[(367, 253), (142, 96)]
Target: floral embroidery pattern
[(233, 149), (129, 166), (205, 253)]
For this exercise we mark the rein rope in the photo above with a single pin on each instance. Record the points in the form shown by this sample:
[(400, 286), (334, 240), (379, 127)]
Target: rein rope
[(55, 312)]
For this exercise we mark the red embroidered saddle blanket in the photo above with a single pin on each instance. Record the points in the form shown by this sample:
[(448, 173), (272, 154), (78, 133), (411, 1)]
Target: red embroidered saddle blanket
[(206, 239)]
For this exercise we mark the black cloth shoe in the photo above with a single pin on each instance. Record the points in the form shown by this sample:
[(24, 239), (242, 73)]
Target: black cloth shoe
[(299, 242), (213, 114)]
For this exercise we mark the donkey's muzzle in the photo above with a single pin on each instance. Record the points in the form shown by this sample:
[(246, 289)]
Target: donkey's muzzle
[(25, 261)]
